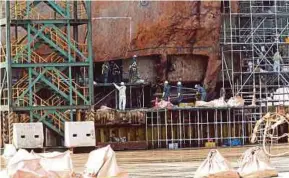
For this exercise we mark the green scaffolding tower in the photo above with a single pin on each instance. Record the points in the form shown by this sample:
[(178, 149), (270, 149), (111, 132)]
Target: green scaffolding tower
[(46, 63)]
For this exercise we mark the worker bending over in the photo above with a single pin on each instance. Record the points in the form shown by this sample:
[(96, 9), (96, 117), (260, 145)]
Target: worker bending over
[(122, 95), (202, 91)]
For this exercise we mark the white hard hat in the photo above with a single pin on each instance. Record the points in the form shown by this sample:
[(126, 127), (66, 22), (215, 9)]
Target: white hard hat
[(179, 83), (121, 83), (134, 55), (166, 82), (196, 85)]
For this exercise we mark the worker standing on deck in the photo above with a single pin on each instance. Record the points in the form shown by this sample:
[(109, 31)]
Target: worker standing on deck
[(122, 95), (133, 71), (115, 72), (277, 61), (166, 91), (105, 71), (202, 91), (250, 66), (179, 91)]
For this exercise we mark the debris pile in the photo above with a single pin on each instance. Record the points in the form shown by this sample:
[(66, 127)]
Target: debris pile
[(236, 101), (106, 115)]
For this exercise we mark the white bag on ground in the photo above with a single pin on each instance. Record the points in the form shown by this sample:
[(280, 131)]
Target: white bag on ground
[(57, 162), (49, 165), (102, 163), (9, 151), (255, 163), (215, 165), (26, 165)]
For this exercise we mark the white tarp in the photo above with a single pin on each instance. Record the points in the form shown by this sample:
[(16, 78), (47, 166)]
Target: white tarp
[(215, 165), (236, 101), (164, 104), (60, 163), (214, 103), (102, 163), (9, 151), (255, 163), (30, 165)]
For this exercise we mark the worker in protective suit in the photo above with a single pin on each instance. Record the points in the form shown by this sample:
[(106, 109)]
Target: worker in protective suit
[(179, 91), (122, 95), (105, 71), (133, 71), (202, 91), (277, 61), (166, 91), (250, 66)]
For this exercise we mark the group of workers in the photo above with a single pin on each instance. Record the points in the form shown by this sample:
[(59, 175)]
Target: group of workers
[(167, 87), (165, 95), (113, 69), (134, 77), (110, 70), (277, 60)]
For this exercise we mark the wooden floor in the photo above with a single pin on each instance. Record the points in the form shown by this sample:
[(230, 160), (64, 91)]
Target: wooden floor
[(175, 163)]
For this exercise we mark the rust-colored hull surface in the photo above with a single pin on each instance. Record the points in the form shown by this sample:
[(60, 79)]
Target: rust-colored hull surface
[(122, 29)]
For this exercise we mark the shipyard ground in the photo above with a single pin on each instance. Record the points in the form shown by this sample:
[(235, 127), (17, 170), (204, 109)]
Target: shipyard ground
[(175, 163)]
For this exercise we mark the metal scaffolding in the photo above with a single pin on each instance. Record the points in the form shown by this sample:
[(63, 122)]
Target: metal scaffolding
[(45, 86), (251, 36), (194, 127)]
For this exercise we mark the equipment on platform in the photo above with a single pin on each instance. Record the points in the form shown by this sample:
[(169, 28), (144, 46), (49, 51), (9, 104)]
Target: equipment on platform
[(79, 134), (28, 135)]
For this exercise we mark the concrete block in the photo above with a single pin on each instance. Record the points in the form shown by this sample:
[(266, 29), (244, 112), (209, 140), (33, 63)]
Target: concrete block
[(79, 134), (28, 135)]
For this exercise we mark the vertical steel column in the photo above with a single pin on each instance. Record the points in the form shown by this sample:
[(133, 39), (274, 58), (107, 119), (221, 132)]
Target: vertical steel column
[(90, 57), (30, 70), (8, 55), (69, 60)]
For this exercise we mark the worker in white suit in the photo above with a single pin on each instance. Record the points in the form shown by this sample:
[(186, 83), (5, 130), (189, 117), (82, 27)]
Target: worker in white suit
[(122, 95), (277, 61)]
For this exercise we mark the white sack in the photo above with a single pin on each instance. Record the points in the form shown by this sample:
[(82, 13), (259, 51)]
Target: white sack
[(57, 162), (215, 165), (102, 163), (255, 163)]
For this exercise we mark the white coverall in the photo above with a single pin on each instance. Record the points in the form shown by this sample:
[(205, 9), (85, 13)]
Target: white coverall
[(122, 96), (277, 61)]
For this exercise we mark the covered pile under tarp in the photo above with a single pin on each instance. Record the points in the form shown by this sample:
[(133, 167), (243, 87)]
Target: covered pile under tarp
[(215, 165), (163, 104), (236, 101), (255, 163), (9, 151), (102, 163), (214, 103), (49, 165)]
